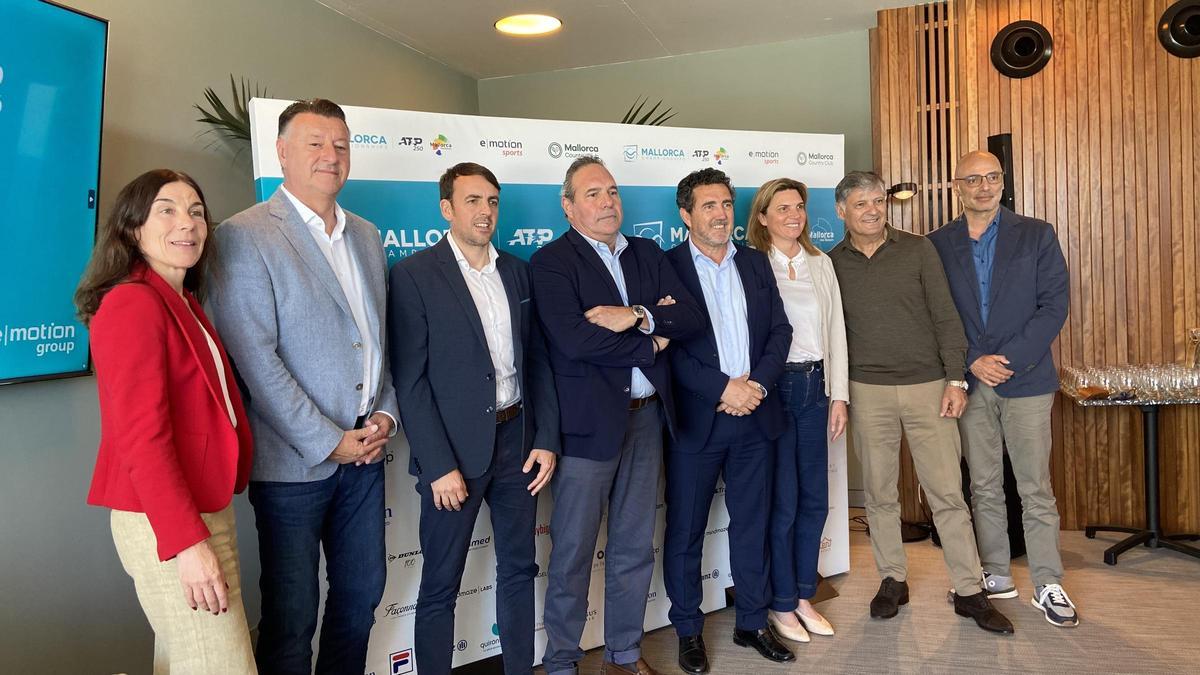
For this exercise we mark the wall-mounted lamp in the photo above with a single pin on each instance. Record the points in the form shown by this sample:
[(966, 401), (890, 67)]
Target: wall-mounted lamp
[(902, 191)]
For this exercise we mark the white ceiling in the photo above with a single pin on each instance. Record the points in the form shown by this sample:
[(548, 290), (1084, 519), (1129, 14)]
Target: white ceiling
[(460, 33)]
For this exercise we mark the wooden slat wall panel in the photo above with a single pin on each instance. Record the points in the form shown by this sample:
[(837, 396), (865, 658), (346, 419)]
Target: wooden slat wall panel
[(1106, 146)]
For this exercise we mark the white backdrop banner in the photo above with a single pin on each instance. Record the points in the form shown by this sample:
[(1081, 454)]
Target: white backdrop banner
[(397, 157)]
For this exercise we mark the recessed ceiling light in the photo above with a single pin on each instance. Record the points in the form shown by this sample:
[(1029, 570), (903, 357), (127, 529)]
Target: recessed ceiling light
[(528, 24)]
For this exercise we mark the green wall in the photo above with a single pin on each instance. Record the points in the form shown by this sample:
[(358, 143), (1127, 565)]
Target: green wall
[(819, 85)]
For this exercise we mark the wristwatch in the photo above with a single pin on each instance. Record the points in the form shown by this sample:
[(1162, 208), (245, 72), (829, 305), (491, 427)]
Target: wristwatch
[(961, 384), (639, 313)]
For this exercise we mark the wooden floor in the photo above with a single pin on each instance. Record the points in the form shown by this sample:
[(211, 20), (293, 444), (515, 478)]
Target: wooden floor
[(1141, 616)]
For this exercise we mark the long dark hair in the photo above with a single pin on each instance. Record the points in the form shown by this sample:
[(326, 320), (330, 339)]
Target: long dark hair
[(116, 251)]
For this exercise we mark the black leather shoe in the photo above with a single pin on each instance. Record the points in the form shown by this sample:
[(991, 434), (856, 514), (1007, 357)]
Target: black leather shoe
[(887, 601), (693, 655), (765, 642), (978, 607)]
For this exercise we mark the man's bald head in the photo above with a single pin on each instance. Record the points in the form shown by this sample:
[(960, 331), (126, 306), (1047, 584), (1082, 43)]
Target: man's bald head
[(977, 162), (979, 183)]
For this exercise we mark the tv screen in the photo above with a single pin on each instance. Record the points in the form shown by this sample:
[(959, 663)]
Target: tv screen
[(52, 63)]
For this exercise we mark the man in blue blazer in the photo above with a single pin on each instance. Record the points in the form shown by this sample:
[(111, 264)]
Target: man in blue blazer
[(298, 293), (609, 305), (1009, 281), (479, 410), (729, 416)]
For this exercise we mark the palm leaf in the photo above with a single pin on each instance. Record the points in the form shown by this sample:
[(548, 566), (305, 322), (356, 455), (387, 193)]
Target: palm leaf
[(635, 116), (232, 125)]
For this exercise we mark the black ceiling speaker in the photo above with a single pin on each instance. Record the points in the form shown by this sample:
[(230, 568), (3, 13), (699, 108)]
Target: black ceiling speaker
[(1021, 49), (1179, 29)]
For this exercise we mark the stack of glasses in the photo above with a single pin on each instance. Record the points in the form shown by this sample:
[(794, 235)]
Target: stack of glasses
[(1168, 383)]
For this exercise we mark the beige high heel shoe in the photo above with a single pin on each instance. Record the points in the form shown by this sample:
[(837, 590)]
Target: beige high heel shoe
[(793, 633), (816, 626)]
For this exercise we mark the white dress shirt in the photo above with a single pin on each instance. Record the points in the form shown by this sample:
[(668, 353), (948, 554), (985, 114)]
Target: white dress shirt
[(801, 305), (341, 259), (492, 302), (726, 300), (639, 386)]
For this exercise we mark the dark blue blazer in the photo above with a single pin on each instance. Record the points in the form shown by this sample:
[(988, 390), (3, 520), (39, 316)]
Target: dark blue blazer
[(696, 365), (592, 365), (443, 372), (1029, 296)]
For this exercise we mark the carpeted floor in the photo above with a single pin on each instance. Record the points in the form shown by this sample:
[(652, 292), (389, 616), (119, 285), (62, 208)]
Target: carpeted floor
[(1141, 616)]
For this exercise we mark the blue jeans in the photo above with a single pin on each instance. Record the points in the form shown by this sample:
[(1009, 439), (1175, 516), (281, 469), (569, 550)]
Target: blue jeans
[(343, 514), (446, 541), (801, 502)]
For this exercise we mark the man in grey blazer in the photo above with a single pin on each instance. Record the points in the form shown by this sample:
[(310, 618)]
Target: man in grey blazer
[(298, 294), (479, 408)]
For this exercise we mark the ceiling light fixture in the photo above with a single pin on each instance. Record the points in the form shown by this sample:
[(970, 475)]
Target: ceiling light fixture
[(526, 25)]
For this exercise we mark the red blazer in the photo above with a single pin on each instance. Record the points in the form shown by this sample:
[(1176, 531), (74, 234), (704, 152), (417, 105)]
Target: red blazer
[(167, 447)]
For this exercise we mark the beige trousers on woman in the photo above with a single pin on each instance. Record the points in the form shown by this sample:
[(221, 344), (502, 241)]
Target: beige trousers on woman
[(186, 641)]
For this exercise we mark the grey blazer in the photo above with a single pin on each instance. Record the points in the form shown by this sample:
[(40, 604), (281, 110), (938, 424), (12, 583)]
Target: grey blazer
[(288, 330)]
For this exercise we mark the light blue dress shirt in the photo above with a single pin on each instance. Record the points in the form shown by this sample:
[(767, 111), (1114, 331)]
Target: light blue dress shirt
[(984, 252), (726, 300), (640, 387)]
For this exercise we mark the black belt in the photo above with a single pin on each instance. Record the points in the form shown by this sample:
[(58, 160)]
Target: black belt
[(803, 366), (508, 413), (639, 403)]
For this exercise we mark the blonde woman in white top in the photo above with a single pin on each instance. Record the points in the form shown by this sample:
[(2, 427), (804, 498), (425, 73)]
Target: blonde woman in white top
[(814, 389)]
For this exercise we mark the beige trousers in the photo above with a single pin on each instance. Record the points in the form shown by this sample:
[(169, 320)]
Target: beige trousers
[(990, 423), (186, 641), (879, 414)]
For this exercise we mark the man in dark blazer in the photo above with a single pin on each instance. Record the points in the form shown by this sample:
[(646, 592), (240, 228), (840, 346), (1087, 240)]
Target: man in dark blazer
[(478, 406), (1009, 282), (729, 416), (609, 305)]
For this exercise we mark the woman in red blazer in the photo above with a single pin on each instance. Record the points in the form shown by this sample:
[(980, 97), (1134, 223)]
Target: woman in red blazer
[(174, 444)]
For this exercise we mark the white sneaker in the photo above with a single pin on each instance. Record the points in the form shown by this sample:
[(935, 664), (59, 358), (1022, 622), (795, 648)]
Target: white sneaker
[(997, 586), (1052, 600)]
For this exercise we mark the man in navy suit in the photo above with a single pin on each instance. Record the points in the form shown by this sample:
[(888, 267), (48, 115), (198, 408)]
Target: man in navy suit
[(478, 406), (728, 417), (1009, 282), (592, 286)]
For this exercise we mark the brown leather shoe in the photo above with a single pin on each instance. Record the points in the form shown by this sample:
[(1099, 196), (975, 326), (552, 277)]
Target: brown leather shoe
[(978, 607), (639, 668)]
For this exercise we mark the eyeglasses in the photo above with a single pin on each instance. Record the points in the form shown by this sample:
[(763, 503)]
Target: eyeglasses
[(975, 179)]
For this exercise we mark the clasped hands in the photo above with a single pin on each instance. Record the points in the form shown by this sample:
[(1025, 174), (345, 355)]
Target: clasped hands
[(363, 446), (619, 318), (991, 370), (741, 396)]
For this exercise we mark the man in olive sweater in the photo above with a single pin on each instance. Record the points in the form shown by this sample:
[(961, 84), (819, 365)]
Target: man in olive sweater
[(907, 353)]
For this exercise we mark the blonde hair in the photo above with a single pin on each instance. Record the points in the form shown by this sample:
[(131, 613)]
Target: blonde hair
[(756, 232)]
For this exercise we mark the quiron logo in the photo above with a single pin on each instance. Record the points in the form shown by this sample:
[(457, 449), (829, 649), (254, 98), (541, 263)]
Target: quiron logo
[(440, 144)]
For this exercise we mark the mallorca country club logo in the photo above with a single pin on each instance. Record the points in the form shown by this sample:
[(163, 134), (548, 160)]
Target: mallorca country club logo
[(440, 143), (802, 158), (558, 150), (555, 149), (814, 158)]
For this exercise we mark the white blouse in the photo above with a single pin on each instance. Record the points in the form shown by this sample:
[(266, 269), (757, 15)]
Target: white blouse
[(800, 304), (216, 354)]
